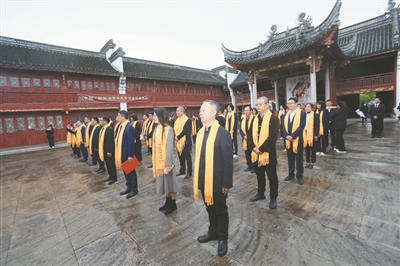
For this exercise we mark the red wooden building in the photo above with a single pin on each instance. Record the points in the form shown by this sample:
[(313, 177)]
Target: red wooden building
[(42, 84)]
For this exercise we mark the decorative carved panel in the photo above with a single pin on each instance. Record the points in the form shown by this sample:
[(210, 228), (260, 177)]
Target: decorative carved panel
[(10, 125), (83, 83), (14, 82), (90, 85), (102, 86), (26, 82), (76, 84), (3, 81), (59, 121), (366, 82), (69, 83), (1, 127), (32, 98), (96, 85), (50, 120), (56, 83), (21, 124), (41, 123), (31, 123), (108, 86), (46, 83), (37, 83), (113, 86)]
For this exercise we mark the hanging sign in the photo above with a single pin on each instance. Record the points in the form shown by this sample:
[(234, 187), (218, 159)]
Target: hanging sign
[(109, 98)]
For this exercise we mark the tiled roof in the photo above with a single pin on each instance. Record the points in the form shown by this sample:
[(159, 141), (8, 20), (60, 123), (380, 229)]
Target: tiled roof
[(241, 79), (33, 55), (162, 71), (286, 42), (372, 36)]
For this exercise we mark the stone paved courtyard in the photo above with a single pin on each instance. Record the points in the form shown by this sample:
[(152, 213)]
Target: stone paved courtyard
[(57, 211)]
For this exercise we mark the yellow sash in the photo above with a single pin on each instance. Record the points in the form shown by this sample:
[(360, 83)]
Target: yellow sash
[(209, 165), (296, 124), (87, 139), (281, 112), (101, 142), (308, 132), (91, 137), (160, 155), (194, 126), (144, 127), (134, 126), (263, 158), (78, 136), (118, 144), (178, 128), (321, 124), (69, 137), (149, 126), (233, 121), (244, 129), (115, 129)]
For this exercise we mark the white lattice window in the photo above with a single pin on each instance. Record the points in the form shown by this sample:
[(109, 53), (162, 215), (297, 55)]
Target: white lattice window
[(10, 125), (96, 85), (41, 123), (50, 120), (56, 83), (76, 84), (113, 86), (36, 83), (108, 86), (69, 82), (21, 124), (102, 86), (14, 82), (46, 83), (59, 121), (3, 81), (1, 127), (31, 123), (83, 85), (26, 82), (90, 85)]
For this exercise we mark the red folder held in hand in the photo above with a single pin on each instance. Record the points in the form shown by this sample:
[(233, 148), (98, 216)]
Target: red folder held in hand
[(129, 167)]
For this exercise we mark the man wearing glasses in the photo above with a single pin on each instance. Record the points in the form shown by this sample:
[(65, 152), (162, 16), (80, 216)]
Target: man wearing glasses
[(292, 128)]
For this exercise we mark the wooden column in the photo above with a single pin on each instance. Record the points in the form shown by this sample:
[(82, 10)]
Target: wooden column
[(254, 86), (313, 79), (327, 82)]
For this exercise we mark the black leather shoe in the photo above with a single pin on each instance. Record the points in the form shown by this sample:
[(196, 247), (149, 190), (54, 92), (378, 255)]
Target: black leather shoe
[(107, 180), (180, 173), (131, 194), (307, 165), (91, 164), (72, 154), (372, 136), (112, 181), (252, 171), (222, 247), (247, 169), (150, 166), (83, 160), (102, 170), (97, 170), (379, 136), (273, 204), (311, 166), (125, 192), (187, 176), (288, 178), (206, 238), (300, 180), (257, 197)]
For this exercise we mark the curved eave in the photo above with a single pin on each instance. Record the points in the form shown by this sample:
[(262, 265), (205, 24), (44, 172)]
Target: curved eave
[(130, 75)]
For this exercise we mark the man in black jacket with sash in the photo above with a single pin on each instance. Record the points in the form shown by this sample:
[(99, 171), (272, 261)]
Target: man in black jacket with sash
[(108, 149)]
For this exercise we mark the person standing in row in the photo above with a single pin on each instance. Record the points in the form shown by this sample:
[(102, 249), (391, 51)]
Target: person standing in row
[(50, 136), (324, 118), (231, 122), (149, 135), (144, 130), (292, 128), (196, 125), (310, 135), (339, 124), (80, 137), (138, 143), (214, 174), (88, 132), (70, 137), (124, 151), (182, 129), (377, 113), (263, 134), (330, 107), (220, 116), (163, 160), (107, 149), (94, 146), (281, 115), (244, 131)]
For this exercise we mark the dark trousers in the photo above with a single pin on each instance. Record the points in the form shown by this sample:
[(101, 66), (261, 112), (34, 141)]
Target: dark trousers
[(51, 142), (111, 168), (138, 150), (84, 151), (101, 164), (95, 157), (322, 142), (333, 137), (218, 216), (377, 126), (234, 143), (248, 158), (186, 157), (194, 139), (295, 161), (311, 152), (131, 180), (77, 151), (260, 171), (339, 139)]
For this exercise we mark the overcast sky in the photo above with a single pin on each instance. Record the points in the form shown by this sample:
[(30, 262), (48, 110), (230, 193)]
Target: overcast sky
[(185, 33)]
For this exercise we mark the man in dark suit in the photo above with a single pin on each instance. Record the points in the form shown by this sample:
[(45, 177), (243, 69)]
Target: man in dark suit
[(267, 146), (82, 147), (108, 149), (231, 122), (244, 131), (138, 142), (294, 136), (377, 113), (183, 129), (221, 178), (220, 116), (127, 151), (94, 145)]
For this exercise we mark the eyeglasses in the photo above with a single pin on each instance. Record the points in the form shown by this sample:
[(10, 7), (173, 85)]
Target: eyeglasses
[(290, 102)]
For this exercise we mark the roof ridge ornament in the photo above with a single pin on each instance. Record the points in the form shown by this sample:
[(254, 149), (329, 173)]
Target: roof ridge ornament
[(305, 23), (272, 32), (391, 5)]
